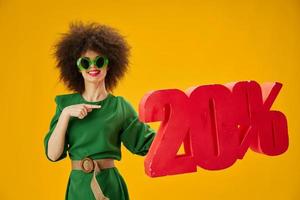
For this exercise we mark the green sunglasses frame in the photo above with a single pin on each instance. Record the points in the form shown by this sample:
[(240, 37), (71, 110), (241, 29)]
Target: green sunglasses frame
[(92, 62)]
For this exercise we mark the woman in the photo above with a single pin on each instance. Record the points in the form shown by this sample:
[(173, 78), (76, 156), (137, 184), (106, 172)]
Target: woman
[(91, 122)]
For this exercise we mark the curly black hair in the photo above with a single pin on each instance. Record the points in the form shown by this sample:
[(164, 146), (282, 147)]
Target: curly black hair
[(100, 38)]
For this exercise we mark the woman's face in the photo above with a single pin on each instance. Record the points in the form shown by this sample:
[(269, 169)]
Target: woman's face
[(88, 74)]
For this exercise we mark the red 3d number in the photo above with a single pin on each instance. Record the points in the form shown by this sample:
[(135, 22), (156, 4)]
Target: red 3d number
[(216, 124)]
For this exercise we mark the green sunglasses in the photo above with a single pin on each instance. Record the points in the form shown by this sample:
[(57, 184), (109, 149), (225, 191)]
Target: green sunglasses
[(84, 63)]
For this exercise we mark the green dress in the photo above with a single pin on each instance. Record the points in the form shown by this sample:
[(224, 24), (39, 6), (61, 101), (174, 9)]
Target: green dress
[(99, 135)]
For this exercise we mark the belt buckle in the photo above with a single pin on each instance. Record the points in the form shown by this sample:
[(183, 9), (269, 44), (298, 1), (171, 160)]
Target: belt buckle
[(87, 165)]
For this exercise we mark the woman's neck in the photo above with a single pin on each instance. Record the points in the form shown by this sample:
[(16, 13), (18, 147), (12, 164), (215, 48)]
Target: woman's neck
[(95, 92)]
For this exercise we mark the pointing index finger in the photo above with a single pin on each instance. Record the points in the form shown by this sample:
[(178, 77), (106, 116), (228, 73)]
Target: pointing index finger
[(92, 106)]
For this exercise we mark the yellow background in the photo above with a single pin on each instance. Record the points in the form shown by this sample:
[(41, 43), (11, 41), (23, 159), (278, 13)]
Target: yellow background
[(175, 44)]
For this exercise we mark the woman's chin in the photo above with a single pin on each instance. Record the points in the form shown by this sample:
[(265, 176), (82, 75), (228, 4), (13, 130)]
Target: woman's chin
[(94, 79)]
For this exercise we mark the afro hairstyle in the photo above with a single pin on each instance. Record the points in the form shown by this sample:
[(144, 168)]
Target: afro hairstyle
[(100, 38)]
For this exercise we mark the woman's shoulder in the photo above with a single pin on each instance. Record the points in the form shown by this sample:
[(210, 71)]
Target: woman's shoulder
[(124, 101), (127, 105), (63, 100), (66, 96)]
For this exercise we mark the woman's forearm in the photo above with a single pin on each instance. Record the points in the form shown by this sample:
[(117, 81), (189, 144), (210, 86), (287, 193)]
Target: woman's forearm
[(57, 139)]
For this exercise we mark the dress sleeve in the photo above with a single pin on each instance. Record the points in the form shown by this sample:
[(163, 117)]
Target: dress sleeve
[(136, 135), (51, 128)]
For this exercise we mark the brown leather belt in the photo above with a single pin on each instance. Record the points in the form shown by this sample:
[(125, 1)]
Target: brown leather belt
[(88, 165)]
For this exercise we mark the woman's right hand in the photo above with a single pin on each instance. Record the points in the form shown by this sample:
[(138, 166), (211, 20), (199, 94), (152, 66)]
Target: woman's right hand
[(80, 110)]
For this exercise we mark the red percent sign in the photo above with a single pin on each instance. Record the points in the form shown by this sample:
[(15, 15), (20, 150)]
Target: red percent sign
[(216, 124)]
